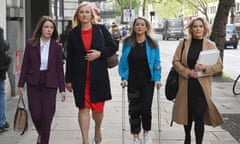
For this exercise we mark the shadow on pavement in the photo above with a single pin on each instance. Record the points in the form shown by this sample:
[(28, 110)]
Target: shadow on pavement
[(232, 125)]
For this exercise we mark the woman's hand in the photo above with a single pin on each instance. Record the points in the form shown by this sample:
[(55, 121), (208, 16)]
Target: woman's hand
[(124, 83), (158, 85), (20, 91), (193, 74), (63, 96), (92, 55), (200, 67), (69, 87)]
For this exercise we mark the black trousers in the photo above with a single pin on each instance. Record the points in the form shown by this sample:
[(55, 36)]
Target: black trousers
[(197, 106), (140, 104)]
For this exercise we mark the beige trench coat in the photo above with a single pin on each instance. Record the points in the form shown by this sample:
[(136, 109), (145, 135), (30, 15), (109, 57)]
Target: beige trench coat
[(180, 112)]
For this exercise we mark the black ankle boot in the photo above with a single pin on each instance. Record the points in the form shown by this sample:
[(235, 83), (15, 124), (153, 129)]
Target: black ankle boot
[(187, 140)]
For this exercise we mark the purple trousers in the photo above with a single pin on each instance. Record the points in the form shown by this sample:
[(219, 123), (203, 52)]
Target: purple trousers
[(42, 105)]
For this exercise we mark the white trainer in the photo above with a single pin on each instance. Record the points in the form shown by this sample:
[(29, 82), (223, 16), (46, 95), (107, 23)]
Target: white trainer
[(147, 138), (136, 141)]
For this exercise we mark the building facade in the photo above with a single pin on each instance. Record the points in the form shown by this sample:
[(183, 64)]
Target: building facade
[(233, 14)]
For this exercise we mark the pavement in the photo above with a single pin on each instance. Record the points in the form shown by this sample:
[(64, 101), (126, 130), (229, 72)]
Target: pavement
[(65, 128)]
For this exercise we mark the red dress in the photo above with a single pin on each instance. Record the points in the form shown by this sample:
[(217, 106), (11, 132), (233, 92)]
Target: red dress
[(98, 106)]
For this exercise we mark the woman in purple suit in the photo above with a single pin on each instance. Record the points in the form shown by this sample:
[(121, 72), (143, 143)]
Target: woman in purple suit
[(42, 71)]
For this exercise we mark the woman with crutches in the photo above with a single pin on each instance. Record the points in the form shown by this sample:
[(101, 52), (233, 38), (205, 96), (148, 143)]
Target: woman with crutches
[(140, 71)]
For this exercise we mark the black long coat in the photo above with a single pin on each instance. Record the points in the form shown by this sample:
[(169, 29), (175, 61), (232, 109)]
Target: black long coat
[(76, 64), (4, 60)]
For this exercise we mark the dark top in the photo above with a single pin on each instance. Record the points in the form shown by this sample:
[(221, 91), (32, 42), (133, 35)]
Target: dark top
[(139, 72), (3, 48), (194, 50), (195, 93)]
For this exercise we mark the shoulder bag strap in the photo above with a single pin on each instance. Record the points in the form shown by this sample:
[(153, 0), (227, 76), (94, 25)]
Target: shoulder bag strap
[(20, 99), (183, 46), (102, 35)]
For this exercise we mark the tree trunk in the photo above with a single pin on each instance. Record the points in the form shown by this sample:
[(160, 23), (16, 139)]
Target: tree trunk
[(143, 7), (219, 26)]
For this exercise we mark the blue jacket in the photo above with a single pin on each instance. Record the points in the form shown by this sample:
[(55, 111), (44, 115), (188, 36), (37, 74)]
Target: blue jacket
[(153, 57)]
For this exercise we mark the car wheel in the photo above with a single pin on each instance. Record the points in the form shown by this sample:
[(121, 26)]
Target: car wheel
[(235, 46)]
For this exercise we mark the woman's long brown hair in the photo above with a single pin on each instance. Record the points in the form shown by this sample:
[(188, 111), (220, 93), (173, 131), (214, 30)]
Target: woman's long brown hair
[(38, 30), (132, 35)]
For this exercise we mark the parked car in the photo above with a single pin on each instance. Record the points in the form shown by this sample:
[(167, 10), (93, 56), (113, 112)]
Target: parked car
[(173, 28), (232, 37), (237, 28)]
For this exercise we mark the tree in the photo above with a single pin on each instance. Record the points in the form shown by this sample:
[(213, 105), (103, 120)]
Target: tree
[(218, 30), (201, 6), (169, 9), (197, 5)]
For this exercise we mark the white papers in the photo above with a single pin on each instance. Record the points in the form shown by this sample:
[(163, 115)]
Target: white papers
[(201, 74), (208, 57)]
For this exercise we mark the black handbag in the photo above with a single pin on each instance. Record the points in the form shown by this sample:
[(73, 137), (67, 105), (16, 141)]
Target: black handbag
[(171, 87), (112, 61)]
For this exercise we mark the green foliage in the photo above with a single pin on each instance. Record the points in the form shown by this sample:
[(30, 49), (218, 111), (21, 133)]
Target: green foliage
[(169, 9), (125, 4), (164, 8), (173, 8)]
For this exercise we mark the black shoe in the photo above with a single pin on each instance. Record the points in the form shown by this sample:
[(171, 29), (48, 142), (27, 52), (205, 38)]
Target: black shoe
[(5, 126), (187, 141)]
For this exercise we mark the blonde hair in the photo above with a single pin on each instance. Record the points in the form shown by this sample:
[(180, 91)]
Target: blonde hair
[(76, 20), (205, 25)]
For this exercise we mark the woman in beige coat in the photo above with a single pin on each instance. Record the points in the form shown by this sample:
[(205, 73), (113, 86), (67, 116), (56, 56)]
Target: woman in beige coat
[(193, 101)]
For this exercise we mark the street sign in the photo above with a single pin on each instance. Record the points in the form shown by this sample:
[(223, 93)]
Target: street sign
[(152, 13), (128, 15)]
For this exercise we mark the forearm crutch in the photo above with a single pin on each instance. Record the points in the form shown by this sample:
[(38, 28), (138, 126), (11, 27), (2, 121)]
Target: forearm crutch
[(159, 118), (123, 115)]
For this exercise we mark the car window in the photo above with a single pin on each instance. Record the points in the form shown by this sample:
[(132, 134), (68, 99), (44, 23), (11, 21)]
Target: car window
[(238, 28), (175, 24), (230, 28)]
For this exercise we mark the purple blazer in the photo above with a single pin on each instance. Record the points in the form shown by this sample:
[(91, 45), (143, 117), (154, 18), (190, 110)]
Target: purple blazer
[(30, 71)]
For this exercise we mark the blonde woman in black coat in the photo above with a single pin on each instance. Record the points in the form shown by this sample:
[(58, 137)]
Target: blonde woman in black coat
[(86, 69)]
